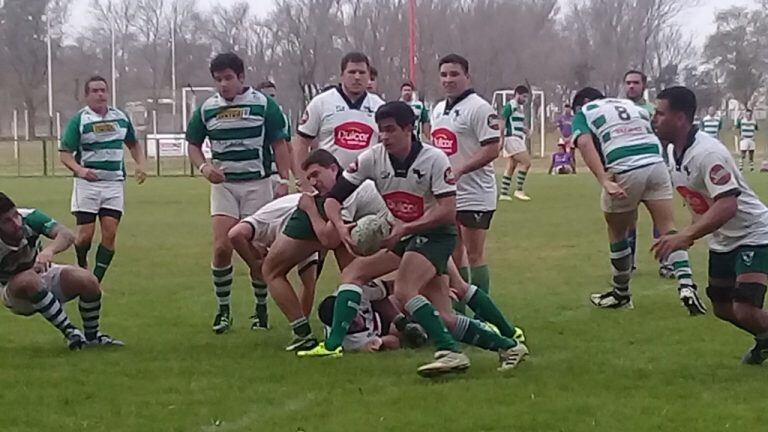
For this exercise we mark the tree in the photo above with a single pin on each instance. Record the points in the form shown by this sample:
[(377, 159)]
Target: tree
[(739, 50)]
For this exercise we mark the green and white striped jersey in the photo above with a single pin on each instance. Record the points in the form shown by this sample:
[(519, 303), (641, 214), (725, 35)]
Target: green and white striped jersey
[(622, 132), (711, 125), (15, 259), (747, 128), (422, 115), (97, 141), (514, 119), (241, 133)]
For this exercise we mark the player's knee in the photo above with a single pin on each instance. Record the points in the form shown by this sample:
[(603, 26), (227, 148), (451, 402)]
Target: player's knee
[(354, 274), (240, 234), (748, 295), (222, 251), (25, 284)]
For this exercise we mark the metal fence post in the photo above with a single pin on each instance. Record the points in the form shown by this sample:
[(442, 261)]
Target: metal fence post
[(45, 158)]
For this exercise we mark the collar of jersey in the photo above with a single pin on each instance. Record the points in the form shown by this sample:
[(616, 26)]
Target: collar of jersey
[(234, 100), (401, 167), (450, 104), (688, 144), (109, 108), (356, 105)]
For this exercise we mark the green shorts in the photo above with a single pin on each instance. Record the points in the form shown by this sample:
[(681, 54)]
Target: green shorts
[(743, 259), (435, 245), (299, 227)]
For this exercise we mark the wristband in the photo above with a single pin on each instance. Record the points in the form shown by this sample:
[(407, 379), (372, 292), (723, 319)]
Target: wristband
[(203, 165)]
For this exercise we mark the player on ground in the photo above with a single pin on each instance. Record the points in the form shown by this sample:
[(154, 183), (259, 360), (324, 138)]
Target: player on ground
[(564, 125), (341, 119), (307, 232), (418, 185), (466, 128), (562, 161), (92, 148), (711, 124), (635, 83), (30, 283), (253, 237), (423, 126), (513, 134), (747, 127), (618, 145), (726, 210), (247, 132)]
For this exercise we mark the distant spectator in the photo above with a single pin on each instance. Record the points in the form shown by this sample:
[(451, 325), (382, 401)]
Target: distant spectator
[(562, 161)]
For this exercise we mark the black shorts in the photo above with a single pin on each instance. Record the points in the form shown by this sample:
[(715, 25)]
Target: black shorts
[(86, 218), (475, 219)]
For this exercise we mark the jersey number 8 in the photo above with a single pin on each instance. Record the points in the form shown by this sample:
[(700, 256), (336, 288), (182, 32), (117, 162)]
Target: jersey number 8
[(623, 113)]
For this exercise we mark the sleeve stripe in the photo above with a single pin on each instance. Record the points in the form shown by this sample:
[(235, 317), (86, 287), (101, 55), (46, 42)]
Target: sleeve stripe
[(304, 135)]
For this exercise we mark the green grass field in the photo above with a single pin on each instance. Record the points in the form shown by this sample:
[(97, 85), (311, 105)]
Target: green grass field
[(649, 369)]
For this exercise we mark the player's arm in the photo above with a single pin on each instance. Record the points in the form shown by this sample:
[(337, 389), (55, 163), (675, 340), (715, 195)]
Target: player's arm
[(583, 139), (195, 136), (506, 112), (70, 143), (306, 132), (276, 135), (347, 183), (485, 123), (325, 230), (62, 238), (137, 153)]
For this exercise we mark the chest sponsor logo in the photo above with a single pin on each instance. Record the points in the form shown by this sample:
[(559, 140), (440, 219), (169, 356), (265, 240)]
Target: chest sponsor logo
[(404, 205), (353, 135), (696, 201), (445, 140), (719, 175), (104, 127), (233, 113)]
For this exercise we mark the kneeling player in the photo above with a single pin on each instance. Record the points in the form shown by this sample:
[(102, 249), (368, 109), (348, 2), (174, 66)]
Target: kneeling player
[(307, 232), (723, 207), (417, 183), (253, 236), (30, 284), (618, 145)]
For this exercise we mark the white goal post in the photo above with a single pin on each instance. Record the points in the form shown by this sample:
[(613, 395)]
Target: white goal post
[(501, 97)]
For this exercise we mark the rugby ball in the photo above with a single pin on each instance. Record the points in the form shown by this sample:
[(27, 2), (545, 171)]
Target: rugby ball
[(368, 233)]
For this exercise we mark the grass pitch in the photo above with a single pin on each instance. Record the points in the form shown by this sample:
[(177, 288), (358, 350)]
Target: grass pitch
[(649, 369)]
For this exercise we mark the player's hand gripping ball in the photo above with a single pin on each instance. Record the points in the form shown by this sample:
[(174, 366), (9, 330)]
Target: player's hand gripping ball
[(368, 233)]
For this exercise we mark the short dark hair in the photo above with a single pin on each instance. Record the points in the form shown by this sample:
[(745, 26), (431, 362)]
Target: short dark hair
[(567, 105), (226, 61), (457, 59), (354, 57), (643, 76), (374, 73), (748, 110), (587, 93), (521, 89), (6, 203), (680, 99), (95, 78), (265, 85), (321, 157), (399, 111), (407, 84)]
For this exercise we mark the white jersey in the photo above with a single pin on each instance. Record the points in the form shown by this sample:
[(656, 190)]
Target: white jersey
[(271, 219), (707, 170), (367, 324), (623, 134), (460, 130), (343, 127), (409, 187)]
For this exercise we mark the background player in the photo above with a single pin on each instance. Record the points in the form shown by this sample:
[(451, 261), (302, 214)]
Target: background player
[(423, 127), (747, 127), (514, 148), (711, 124), (92, 148)]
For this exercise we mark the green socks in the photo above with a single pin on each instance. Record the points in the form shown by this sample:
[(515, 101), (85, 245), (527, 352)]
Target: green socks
[(425, 314), (301, 327), (486, 310), (103, 259), (506, 184), (481, 278), (82, 255), (345, 310), (260, 293), (460, 306), (473, 332)]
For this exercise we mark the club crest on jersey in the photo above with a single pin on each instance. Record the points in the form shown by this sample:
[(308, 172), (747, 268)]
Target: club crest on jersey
[(719, 176), (748, 257), (445, 140), (385, 174), (233, 113), (353, 135), (493, 121), (108, 127), (405, 206), (696, 201), (448, 176)]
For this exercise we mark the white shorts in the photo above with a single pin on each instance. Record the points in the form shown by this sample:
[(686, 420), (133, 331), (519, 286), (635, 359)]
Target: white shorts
[(513, 146), (747, 144), (240, 199), (51, 282), (265, 234), (90, 197), (649, 183)]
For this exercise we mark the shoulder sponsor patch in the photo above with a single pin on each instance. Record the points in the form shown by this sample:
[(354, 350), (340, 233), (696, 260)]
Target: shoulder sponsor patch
[(448, 176), (719, 175), (304, 118), (493, 121), (352, 168)]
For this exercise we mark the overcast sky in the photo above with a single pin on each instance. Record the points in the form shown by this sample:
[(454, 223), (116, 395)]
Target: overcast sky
[(697, 21)]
